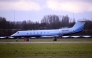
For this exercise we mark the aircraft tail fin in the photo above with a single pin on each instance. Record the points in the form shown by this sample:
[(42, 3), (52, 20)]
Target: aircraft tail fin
[(79, 26)]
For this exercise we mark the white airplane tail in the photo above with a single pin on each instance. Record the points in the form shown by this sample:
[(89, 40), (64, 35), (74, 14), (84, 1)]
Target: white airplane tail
[(78, 26)]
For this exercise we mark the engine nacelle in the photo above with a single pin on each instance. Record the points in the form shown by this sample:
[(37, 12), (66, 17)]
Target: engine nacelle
[(66, 31)]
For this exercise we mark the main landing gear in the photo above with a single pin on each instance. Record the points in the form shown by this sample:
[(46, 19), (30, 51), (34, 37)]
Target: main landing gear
[(54, 39)]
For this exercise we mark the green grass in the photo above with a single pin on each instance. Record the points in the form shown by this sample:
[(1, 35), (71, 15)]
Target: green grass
[(73, 50), (45, 50)]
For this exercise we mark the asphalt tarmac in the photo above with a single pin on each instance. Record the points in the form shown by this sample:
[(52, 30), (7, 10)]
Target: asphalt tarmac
[(43, 42)]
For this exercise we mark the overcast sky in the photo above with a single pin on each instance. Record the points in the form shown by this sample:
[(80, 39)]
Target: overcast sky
[(34, 10)]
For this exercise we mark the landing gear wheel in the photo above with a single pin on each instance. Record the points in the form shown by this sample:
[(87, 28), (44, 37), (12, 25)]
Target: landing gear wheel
[(54, 39), (17, 40)]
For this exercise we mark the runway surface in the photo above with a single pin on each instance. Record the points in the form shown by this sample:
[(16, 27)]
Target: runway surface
[(42, 42)]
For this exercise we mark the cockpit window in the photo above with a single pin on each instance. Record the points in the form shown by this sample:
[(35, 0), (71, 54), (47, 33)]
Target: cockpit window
[(17, 32)]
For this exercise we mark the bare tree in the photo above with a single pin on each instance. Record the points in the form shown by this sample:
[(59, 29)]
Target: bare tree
[(65, 21), (51, 21)]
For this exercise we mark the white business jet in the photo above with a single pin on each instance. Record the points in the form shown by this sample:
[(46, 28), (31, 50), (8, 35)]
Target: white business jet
[(52, 32)]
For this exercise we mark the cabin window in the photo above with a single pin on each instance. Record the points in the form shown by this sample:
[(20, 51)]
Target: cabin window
[(65, 30)]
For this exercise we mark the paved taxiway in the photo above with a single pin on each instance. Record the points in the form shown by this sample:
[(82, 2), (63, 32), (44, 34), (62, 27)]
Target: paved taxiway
[(42, 42)]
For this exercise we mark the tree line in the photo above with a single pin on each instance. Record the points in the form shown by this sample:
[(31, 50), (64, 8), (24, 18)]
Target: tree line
[(48, 22)]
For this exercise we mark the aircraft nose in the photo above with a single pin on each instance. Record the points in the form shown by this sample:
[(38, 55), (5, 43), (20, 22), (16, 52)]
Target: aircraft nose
[(12, 35)]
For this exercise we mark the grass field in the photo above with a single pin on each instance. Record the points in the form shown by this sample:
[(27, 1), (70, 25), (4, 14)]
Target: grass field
[(82, 50), (45, 50)]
